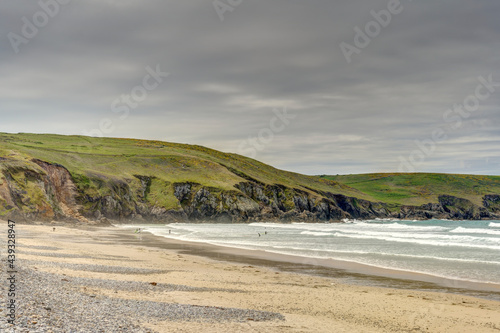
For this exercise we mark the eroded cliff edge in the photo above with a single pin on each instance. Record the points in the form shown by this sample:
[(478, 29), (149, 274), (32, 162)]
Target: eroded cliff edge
[(36, 190)]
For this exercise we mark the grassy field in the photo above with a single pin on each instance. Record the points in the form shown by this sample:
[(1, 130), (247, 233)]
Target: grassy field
[(122, 159), (420, 188), (90, 158)]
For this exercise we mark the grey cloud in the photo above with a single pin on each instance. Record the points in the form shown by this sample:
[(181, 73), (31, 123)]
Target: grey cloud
[(226, 78)]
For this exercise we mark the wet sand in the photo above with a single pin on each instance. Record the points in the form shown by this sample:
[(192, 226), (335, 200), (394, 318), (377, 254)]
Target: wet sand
[(310, 297)]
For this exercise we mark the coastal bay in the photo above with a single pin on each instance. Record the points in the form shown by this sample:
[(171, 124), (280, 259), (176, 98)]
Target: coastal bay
[(103, 266)]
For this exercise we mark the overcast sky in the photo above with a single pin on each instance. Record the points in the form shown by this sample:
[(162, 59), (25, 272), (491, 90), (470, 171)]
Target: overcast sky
[(291, 83)]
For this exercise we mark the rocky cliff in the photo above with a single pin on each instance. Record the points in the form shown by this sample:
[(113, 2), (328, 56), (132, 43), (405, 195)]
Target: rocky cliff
[(38, 190)]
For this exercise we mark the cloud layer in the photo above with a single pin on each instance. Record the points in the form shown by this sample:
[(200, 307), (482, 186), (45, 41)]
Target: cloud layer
[(228, 79)]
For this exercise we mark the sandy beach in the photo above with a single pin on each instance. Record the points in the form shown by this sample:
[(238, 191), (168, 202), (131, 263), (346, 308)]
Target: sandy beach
[(126, 282)]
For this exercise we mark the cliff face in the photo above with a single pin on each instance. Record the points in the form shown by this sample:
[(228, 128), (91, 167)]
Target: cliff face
[(42, 191), (38, 191)]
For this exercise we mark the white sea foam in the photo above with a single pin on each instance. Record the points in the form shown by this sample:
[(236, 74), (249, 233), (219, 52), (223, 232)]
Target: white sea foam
[(325, 227), (422, 241), (315, 233), (494, 225), (399, 226), (461, 230)]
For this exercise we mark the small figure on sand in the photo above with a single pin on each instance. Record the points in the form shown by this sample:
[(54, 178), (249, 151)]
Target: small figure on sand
[(53, 229), (169, 231), (259, 234), (138, 230)]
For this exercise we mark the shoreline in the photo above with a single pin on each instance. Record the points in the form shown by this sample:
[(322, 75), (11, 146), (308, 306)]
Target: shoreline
[(352, 272), (94, 278)]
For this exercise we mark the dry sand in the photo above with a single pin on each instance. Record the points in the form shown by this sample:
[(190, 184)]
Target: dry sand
[(308, 303)]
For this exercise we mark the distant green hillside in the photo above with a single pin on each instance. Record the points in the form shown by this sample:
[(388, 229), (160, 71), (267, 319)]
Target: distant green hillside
[(420, 188)]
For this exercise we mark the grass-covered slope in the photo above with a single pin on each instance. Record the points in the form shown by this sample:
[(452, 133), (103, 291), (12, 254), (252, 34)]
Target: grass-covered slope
[(420, 188), (171, 163)]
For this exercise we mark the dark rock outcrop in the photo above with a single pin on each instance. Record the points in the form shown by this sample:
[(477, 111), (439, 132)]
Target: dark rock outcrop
[(492, 202), (449, 207)]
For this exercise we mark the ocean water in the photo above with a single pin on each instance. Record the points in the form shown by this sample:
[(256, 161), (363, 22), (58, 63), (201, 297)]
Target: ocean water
[(460, 250)]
